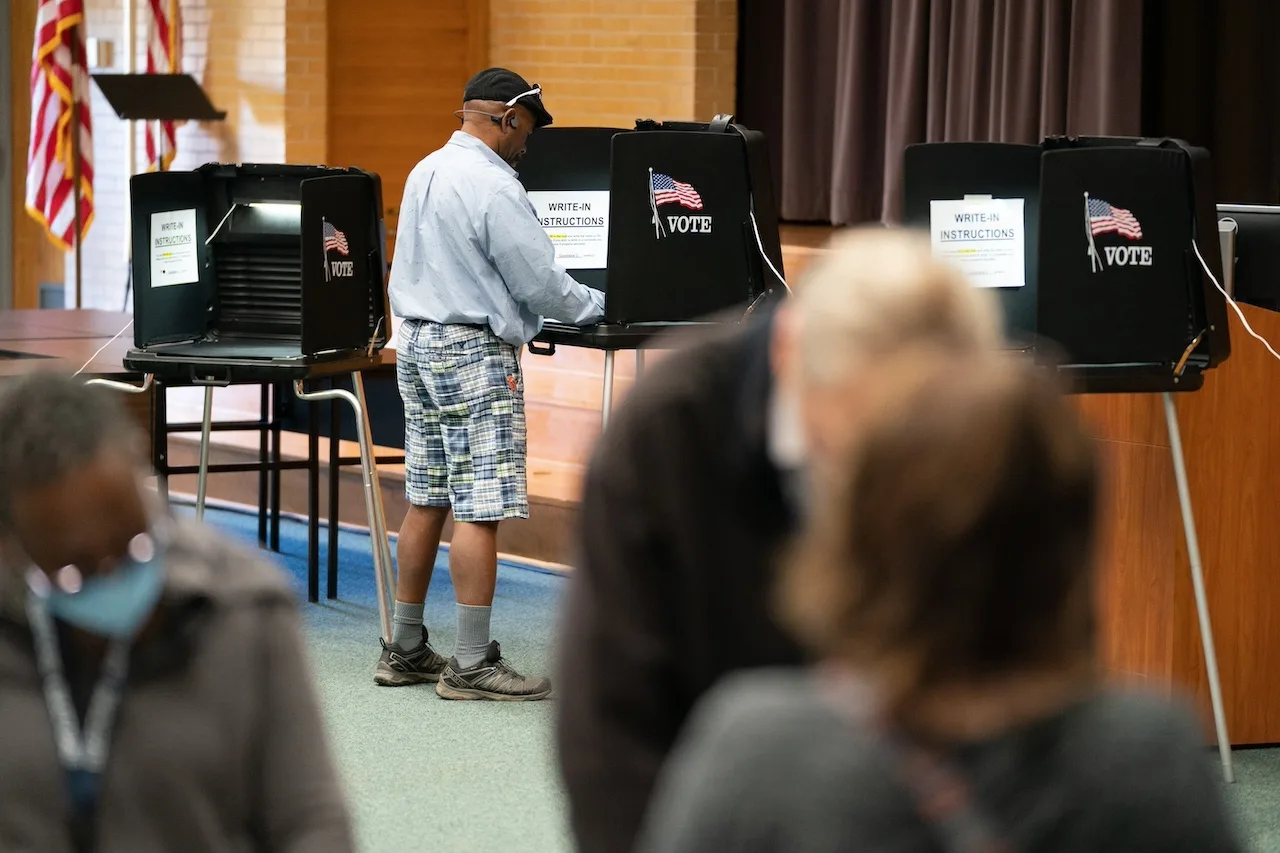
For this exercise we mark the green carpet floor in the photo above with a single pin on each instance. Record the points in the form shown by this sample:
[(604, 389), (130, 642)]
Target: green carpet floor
[(425, 774)]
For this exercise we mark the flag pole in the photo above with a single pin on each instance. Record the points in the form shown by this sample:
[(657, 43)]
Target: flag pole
[(130, 142), (653, 205), (77, 35), (1094, 260)]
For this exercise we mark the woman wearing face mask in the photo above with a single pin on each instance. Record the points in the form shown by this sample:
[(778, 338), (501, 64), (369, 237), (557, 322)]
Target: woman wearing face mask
[(154, 692), (945, 584)]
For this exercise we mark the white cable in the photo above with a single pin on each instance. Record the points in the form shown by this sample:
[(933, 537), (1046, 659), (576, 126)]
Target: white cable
[(230, 211), (763, 254), (1231, 301), (101, 348)]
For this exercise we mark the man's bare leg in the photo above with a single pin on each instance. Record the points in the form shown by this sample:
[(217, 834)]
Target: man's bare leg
[(416, 549)]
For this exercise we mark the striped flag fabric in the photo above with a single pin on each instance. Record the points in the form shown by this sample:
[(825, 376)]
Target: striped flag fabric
[(667, 190), (164, 46), (59, 85), (334, 239), (1105, 218)]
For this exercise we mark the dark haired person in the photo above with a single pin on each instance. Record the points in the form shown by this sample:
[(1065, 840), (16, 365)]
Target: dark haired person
[(154, 690), (945, 586), (473, 277)]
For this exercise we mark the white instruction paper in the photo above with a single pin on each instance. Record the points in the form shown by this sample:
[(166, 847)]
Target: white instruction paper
[(173, 248), (577, 221), (984, 236)]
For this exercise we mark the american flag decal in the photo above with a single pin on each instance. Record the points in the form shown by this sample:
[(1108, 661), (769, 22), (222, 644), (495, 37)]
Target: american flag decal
[(667, 190), (1107, 219), (335, 240)]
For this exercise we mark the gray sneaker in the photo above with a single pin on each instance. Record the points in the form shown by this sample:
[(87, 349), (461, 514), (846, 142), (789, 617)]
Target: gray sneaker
[(493, 678), (419, 665)]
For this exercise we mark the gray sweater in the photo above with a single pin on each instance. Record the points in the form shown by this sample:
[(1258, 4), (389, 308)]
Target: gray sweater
[(219, 746), (767, 765)]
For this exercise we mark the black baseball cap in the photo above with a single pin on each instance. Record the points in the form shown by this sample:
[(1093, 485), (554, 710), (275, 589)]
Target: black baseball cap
[(507, 87)]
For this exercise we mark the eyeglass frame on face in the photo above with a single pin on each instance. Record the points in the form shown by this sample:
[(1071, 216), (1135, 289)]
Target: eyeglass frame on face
[(70, 580)]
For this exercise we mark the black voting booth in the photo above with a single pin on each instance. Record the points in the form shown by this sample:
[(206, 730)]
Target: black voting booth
[(1252, 234), (1121, 242), (256, 273), (1115, 292), (690, 208), (264, 274)]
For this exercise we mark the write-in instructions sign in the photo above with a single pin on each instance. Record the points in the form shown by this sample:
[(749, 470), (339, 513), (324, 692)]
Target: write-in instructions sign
[(173, 248), (577, 222), (984, 236)]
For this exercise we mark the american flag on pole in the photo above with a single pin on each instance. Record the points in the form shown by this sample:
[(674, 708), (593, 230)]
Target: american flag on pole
[(59, 85), (667, 190), (164, 46), (334, 239), (1107, 219)]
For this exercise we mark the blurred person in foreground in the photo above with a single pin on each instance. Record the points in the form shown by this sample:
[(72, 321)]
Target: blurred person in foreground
[(154, 691), (701, 477), (946, 585)]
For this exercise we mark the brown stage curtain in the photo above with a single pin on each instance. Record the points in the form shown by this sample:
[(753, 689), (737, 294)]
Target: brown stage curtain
[(1211, 75), (843, 86)]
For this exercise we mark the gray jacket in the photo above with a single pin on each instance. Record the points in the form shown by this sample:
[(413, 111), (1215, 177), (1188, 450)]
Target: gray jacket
[(219, 745)]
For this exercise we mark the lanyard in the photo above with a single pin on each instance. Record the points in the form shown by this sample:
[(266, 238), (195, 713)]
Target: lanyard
[(939, 790), (82, 752)]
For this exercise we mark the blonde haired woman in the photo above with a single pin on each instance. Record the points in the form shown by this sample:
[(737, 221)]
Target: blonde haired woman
[(946, 588)]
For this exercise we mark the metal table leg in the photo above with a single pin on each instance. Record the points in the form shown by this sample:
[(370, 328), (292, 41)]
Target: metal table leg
[(264, 421), (383, 540), (606, 400), (313, 504), (335, 483), (202, 478), (1197, 582), (277, 487), (639, 362), (372, 500)]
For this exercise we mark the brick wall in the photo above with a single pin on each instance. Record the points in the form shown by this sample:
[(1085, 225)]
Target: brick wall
[(609, 62), (306, 83), (238, 49)]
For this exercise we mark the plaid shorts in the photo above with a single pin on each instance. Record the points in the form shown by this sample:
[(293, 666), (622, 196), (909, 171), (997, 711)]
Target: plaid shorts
[(465, 437)]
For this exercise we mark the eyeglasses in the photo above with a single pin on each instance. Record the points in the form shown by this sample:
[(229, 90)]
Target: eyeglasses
[(70, 579)]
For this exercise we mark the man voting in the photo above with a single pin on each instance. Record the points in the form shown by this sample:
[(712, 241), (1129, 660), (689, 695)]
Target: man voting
[(473, 276)]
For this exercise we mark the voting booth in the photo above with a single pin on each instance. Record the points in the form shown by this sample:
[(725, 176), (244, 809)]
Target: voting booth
[(256, 272), (1100, 249), (675, 222), (263, 274), (1252, 233), (1104, 252)]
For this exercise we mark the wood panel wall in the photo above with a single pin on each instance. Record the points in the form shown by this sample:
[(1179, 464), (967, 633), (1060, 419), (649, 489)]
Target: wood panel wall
[(35, 258), (396, 74), (1231, 433)]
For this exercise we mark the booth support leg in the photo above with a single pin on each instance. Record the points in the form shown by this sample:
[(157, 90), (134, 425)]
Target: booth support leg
[(606, 399), (383, 541), (639, 362), (202, 478), (1197, 582), (372, 505)]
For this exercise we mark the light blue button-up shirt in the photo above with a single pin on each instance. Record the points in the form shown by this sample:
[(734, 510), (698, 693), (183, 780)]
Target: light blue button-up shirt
[(470, 250)]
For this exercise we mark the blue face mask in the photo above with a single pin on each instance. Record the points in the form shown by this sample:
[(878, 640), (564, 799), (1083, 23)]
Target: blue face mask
[(115, 604)]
